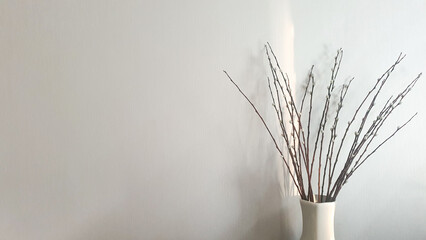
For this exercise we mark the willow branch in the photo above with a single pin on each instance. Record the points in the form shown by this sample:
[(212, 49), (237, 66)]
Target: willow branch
[(353, 150), (269, 131), (380, 145)]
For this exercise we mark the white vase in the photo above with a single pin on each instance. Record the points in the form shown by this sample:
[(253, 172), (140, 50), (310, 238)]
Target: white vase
[(318, 220)]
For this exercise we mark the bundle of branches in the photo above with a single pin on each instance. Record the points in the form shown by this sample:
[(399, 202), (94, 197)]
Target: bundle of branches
[(306, 149)]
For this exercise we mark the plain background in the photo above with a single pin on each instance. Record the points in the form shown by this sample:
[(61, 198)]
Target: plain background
[(117, 122)]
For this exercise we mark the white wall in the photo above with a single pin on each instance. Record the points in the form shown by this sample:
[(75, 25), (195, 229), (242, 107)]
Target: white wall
[(117, 122)]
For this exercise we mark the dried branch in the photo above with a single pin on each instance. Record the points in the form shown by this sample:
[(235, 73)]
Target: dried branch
[(380, 145), (352, 152), (299, 161), (323, 121), (267, 128), (379, 121), (333, 135)]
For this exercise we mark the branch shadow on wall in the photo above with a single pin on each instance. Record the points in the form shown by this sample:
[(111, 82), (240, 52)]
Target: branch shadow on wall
[(266, 211), (268, 208)]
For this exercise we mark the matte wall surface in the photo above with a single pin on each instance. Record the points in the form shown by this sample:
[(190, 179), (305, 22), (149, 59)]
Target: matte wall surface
[(117, 122)]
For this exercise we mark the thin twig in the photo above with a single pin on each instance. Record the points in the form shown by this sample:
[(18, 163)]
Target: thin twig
[(267, 128), (300, 162)]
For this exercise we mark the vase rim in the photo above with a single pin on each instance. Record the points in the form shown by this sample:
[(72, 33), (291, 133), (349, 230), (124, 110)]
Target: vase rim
[(317, 203)]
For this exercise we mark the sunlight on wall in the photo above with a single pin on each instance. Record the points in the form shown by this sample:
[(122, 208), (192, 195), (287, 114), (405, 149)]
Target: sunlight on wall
[(284, 48)]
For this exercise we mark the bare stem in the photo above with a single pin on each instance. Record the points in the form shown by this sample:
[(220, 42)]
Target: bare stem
[(300, 161), (269, 131)]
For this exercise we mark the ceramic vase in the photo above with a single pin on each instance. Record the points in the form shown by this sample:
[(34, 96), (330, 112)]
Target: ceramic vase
[(318, 220)]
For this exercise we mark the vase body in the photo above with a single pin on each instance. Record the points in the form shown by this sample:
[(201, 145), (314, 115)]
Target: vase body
[(318, 220)]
